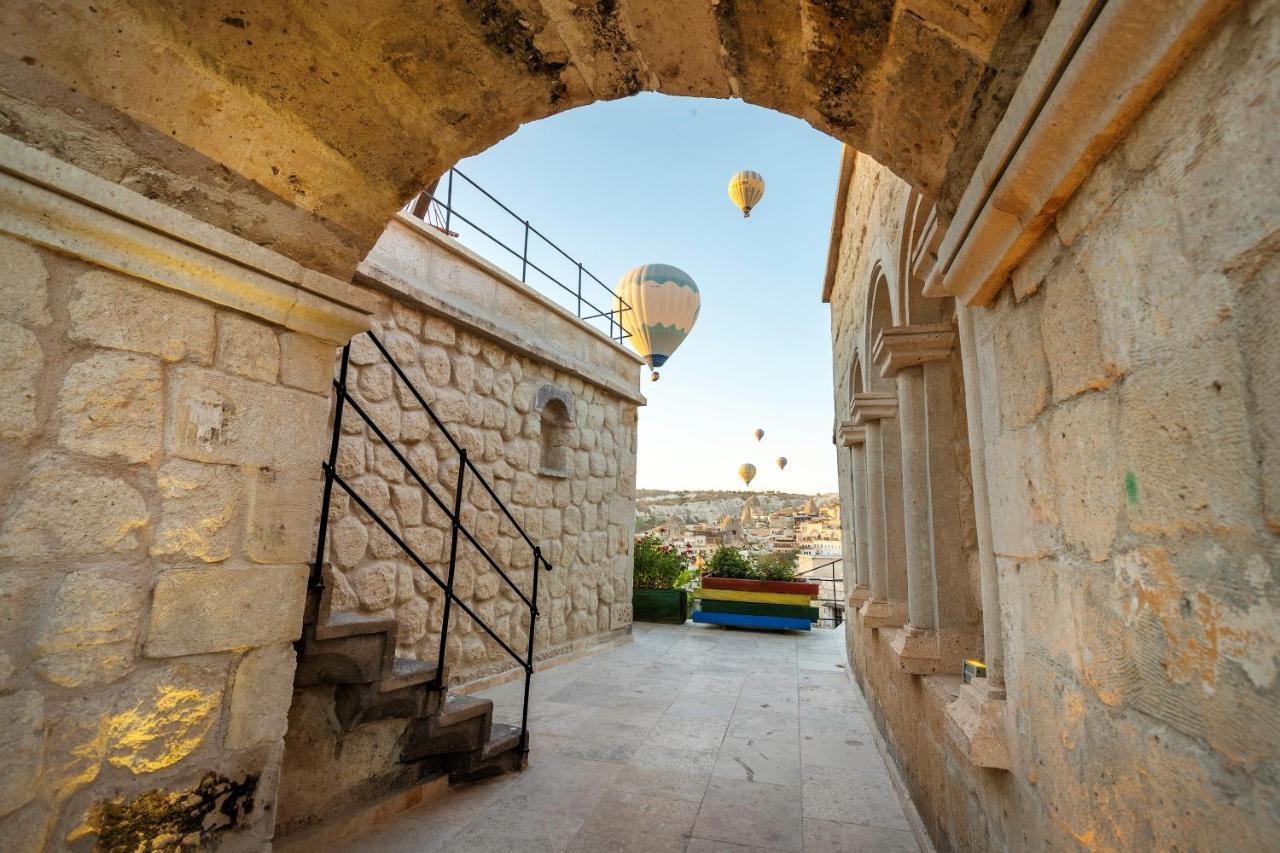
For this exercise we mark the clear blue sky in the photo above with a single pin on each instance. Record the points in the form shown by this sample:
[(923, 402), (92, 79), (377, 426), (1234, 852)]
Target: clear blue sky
[(643, 180)]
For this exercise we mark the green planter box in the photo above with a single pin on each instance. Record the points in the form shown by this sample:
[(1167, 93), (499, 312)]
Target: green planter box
[(660, 605)]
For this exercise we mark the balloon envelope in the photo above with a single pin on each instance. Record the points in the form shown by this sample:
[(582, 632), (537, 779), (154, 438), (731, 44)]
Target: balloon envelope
[(747, 472), (746, 189), (782, 462), (657, 305), (759, 434)]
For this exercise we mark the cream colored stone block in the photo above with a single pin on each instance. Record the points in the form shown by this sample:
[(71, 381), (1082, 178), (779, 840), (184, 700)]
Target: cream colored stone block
[(165, 715), (412, 618), (435, 364), (216, 609), (111, 405), (1022, 375), (22, 745), (261, 691), (64, 512), (283, 514), (23, 283), (348, 539), (21, 361), (307, 363), (1088, 478), (375, 585), (199, 508), (1023, 518), (113, 310), (247, 347), (374, 382), (1072, 344), (213, 417), (1186, 448), (88, 635)]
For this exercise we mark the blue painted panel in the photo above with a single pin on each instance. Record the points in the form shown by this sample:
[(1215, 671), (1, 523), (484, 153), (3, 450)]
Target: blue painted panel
[(746, 620)]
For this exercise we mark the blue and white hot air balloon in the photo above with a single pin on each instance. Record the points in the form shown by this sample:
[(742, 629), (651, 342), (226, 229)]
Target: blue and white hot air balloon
[(663, 306)]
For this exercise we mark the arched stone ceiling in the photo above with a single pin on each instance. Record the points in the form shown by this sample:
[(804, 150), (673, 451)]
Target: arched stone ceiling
[(345, 108)]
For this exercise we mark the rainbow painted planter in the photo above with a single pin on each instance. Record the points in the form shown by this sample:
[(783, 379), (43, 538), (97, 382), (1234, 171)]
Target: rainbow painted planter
[(774, 605)]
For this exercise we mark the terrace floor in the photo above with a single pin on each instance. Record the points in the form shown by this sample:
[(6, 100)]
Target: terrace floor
[(692, 739)]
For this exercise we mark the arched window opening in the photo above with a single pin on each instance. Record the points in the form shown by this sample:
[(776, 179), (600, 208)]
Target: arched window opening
[(556, 431)]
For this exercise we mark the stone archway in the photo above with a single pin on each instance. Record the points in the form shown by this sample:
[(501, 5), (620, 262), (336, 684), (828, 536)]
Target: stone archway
[(344, 112)]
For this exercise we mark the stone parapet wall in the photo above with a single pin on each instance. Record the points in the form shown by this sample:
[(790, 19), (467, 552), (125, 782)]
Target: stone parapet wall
[(1128, 378), (470, 341)]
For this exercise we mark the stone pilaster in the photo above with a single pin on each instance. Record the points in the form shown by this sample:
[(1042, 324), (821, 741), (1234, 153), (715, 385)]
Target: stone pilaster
[(854, 438), (902, 353), (886, 606)]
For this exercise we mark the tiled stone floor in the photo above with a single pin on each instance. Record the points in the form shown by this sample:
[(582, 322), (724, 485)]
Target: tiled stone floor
[(692, 739)]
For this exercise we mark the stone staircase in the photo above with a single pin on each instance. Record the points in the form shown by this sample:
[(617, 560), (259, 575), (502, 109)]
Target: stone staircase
[(356, 653)]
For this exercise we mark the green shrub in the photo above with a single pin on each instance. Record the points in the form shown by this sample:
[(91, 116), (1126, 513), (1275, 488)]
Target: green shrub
[(777, 566), (659, 566), (729, 563)]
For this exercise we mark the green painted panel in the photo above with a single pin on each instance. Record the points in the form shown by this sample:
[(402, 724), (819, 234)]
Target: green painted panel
[(751, 608), (660, 605)]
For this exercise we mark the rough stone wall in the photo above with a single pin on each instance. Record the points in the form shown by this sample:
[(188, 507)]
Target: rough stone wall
[(485, 394), (1129, 384), (153, 536)]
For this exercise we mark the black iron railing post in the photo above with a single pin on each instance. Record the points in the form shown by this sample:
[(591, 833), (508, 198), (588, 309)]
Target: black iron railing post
[(317, 569), (453, 563), (448, 203), (579, 288), (524, 256), (528, 666)]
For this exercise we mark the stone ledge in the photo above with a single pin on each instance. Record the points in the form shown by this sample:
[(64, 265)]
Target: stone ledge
[(874, 406), (849, 434), (883, 614), (977, 722), (54, 204), (916, 650), (908, 346), (858, 596), (402, 279)]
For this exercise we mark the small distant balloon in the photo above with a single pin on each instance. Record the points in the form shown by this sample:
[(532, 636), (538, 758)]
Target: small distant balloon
[(782, 462), (759, 434), (747, 472), (746, 189)]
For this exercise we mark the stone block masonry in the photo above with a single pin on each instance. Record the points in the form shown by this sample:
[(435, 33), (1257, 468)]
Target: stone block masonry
[(159, 494), (491, 392)]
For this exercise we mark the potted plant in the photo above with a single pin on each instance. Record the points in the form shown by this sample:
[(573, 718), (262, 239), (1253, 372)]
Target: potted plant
[(661, 574), (760, 593)]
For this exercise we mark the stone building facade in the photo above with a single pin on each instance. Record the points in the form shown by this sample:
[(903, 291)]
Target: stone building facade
[(1115, 480)]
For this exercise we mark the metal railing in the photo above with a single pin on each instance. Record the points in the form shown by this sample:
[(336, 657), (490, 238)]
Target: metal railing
[(836, 602), (453, 513), (586, 309)]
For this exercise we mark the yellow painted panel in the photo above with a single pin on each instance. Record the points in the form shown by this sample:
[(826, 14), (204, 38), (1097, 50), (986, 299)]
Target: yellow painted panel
[(757, 597)]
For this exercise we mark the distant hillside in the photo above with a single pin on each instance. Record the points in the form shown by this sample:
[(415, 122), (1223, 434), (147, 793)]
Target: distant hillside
[(655, 506)]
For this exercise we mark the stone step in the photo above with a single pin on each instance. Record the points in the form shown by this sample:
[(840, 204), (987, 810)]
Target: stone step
[(360, 658), (357, 704), (502, 753), (462, 725), (406, 672)]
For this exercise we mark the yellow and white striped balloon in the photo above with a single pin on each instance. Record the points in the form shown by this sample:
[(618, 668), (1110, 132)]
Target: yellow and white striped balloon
[(746, 189), (657, 305)]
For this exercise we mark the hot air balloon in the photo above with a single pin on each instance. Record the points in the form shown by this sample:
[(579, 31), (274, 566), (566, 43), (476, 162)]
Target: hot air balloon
[(782, 462), (746, 189), (664, 304), (759, 434), (747, 472)]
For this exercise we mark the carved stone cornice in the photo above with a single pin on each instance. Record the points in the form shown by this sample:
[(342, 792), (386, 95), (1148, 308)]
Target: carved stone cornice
[(51, 203), (1094, 71), (873, 406), (907, 346), (849, 434)]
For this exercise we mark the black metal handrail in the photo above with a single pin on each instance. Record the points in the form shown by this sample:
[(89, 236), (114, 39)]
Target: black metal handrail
[(612, 314), (833, 580), (452, 513)]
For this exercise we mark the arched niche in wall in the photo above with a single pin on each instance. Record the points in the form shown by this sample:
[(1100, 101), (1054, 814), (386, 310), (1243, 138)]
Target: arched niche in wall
[(554, 406)]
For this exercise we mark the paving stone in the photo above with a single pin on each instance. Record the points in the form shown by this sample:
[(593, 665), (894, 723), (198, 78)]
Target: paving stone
[(860, 796), (759, 760), (751, 813), (823, 836)]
